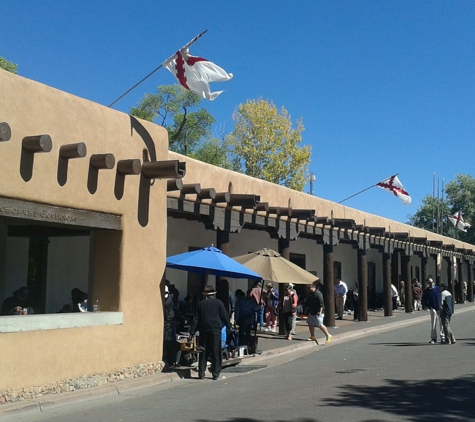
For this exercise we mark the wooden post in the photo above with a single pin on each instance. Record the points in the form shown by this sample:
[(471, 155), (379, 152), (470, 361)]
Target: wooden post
[(387, 300), (424, 274), (469, 281), (328, 289), (222, 285), (406, 268), (71, 151), (450, 276), (362, 286), (38, 143), (284, 250), (5, 132)]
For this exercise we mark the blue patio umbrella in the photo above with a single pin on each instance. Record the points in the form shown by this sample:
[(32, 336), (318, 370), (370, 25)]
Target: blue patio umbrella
[(210, 260)]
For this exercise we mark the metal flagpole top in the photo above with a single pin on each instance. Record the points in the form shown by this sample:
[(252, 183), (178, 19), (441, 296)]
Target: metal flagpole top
[(163, 64)]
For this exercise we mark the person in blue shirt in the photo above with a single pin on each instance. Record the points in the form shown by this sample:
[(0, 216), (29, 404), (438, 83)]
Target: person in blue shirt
[(431, 300)]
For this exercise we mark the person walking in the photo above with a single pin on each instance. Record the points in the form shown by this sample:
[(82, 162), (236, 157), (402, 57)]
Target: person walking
[(416, 295), (402, 294), (296, 313), (394, 297), (244, 311), (446, 312), (258, 294), (316, 313), (431, 300), (211, 316), (271, 308), (288, 306), (340, 289)]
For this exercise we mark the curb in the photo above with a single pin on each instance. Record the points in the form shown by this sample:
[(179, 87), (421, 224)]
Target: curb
[(123, 387), (52, 401)]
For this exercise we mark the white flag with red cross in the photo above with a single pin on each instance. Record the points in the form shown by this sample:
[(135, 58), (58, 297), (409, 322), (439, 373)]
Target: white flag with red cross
[(196, 73), (394, 185), (458, 222)]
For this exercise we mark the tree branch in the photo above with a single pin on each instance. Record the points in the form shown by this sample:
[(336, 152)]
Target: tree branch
[(175, 136)]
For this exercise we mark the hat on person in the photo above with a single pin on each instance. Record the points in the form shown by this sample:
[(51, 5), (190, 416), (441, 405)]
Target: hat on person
[(23, 292), (209, 291), (443, 284), (270, 285)]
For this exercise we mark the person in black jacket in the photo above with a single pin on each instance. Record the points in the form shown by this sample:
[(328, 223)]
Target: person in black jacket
[(211, 316), (316, 313), (431, 300), (169, 331), (446, 312)]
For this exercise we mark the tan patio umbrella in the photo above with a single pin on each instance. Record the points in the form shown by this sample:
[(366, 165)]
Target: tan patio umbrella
[(272, 266)]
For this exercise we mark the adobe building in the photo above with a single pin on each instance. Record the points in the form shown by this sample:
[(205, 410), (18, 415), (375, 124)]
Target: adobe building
[(91, 198)]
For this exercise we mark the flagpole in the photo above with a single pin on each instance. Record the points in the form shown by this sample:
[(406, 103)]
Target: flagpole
[(433, 200), (443, 208), (364, 190), (438, 205), (159, 67)]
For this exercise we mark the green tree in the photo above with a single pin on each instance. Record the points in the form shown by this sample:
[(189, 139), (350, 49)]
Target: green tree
[(171, 107), (429, 213), (266, 144), (214, 151), (460, 196), (9, 66)]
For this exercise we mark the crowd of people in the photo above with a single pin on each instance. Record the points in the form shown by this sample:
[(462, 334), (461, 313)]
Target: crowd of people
[(208, 323)]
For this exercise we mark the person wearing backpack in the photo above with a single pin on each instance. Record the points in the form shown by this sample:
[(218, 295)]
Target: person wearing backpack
[(446, 312)]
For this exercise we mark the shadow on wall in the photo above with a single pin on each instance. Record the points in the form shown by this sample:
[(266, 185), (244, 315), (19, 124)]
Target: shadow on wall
[(144, 189), (429, 400)]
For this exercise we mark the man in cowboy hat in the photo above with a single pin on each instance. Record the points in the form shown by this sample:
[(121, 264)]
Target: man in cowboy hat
[(211, 316)]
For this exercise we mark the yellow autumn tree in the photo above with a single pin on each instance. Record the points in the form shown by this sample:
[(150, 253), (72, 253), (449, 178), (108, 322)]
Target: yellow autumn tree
[(265, 144)]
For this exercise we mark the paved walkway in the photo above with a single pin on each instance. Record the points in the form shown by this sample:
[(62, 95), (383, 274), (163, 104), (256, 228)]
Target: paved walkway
[(343, 329), (270, 345)]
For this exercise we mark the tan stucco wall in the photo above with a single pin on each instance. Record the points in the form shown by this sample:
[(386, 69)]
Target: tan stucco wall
[(214, 177), (136, 265)]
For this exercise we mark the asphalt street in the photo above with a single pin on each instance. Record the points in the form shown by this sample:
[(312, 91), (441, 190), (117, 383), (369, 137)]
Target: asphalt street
[(393, 375)]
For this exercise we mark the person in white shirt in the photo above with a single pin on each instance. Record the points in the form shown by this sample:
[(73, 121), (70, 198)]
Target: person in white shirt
[(394, 297), (340, 290)]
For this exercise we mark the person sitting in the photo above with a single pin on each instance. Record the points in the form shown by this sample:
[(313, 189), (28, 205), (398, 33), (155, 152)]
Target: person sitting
[(82, 305), (66, 309), (76, 297), (19, 300)]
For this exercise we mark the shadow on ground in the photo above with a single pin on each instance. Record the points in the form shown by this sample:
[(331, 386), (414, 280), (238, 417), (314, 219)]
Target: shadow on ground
[(460, 342), (421, 401), (259, 420)]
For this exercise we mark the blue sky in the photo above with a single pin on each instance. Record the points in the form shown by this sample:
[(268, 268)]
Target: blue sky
[(383, 87)]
